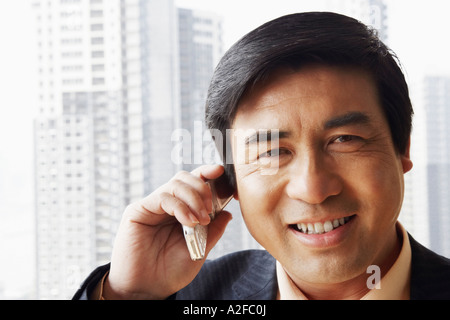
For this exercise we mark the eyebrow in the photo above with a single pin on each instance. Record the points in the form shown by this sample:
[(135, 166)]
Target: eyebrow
[(265, 135), (350, 118)]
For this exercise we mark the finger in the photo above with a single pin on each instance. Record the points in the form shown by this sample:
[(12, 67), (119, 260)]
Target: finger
[(145, 210), (199, 185), (209, 172), (167, 205), (179, 209), (191, 197)]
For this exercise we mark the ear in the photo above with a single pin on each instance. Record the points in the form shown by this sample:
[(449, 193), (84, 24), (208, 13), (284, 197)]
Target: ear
[(406, 159), (235, 195)]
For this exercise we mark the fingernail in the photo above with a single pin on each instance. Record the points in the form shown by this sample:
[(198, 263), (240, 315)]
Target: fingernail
[(193, 218), (205, 215)]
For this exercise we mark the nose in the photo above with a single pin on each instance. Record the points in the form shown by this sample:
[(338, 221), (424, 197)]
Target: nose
[(313, 179)]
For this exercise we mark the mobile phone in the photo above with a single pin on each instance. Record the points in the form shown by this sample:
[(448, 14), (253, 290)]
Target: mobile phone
[(222, 193)]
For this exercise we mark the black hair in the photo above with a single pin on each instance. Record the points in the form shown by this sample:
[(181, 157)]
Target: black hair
[(299, 39)]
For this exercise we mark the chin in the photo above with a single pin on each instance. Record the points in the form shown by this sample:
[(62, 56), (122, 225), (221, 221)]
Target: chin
[(327, 267)]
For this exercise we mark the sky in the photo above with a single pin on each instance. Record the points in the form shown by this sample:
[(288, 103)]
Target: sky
[(418, 33)]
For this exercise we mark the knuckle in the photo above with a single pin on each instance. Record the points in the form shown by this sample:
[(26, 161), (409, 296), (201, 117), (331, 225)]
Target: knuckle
[(164, 197), (180, 187), (130, 208), (180, 206), (180, 175)]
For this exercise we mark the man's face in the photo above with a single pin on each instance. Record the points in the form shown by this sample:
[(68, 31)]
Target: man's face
[(324, 198)]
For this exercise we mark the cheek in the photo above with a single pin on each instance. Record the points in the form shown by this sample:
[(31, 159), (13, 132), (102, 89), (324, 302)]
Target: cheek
[(259, 199), (380, 188)]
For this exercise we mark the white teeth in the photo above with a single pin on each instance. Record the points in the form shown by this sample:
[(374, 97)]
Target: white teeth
[(304, 227), (328, 226), (335, 223), (319, 227)]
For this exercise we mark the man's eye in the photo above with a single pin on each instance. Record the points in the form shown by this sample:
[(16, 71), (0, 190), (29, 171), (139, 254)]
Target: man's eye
[(270, 153), (347, 143), (345, 138)]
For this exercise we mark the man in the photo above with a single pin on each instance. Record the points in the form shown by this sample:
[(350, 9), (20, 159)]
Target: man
[(328, 117)]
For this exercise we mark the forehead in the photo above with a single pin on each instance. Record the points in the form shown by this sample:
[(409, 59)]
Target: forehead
[(313, 93)]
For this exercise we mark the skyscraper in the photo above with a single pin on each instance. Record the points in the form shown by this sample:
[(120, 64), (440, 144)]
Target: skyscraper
[(370, 12), (437, 108), (108, 89), (200, 49)]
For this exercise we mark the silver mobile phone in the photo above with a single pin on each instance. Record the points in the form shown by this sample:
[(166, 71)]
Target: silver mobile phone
[(196, 237)]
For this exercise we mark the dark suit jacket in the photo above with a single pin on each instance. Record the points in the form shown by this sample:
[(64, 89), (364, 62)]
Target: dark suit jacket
[(251, 275)]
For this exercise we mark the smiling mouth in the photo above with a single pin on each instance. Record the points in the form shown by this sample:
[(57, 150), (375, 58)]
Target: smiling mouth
[(321, 227)]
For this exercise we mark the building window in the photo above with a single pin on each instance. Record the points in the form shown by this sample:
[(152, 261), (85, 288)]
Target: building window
[(98, 54), (97, 40), (98, 67), (98, 81), (97, 27), (96, 13)]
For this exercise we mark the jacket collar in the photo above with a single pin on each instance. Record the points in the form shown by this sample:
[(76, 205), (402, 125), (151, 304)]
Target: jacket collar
[(430, 273)]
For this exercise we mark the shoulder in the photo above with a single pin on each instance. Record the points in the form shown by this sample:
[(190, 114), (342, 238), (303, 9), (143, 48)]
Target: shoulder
[(430, 273), (237, 262), (246, 274)]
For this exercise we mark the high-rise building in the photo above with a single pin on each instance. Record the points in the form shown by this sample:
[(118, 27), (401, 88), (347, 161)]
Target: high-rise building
[(437, 113), (370, 12), (200, 49), (414, 213), (108, 89)]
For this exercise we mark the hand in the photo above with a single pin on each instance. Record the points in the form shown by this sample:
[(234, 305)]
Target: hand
[(150, 259)]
